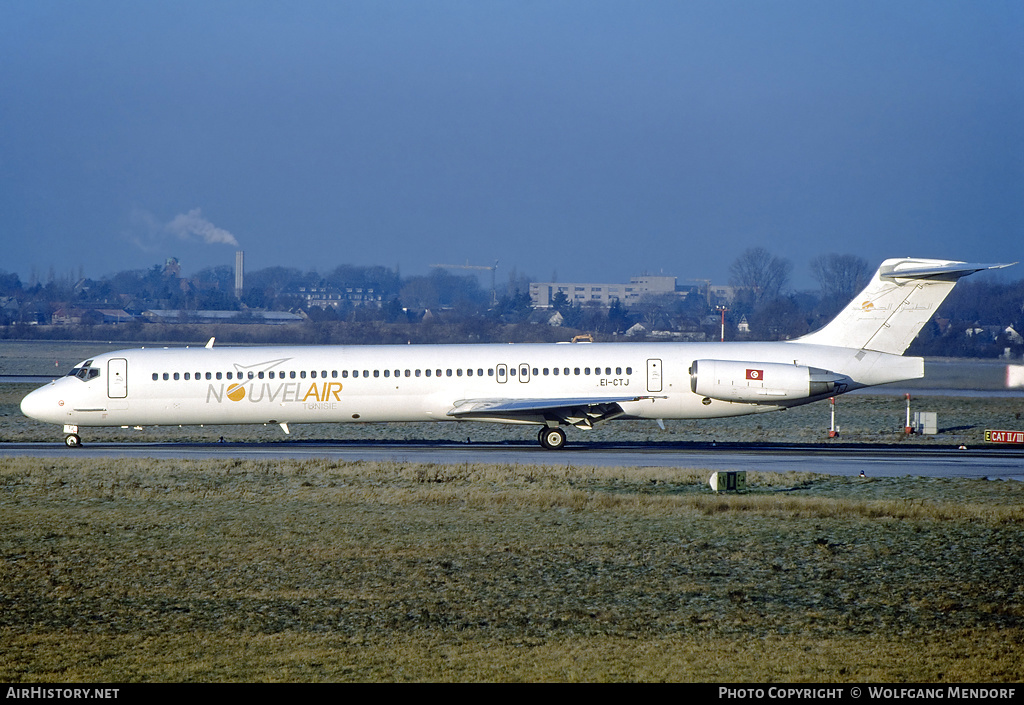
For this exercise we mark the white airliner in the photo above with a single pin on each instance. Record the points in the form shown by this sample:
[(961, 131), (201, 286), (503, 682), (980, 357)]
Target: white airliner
[(547, 385)]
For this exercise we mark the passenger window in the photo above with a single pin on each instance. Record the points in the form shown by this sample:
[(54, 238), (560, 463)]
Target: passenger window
[(555, 370), (334, 374), (209, 375), (458, 372), (176, 377), (480, 372), (408, 373), (344, 374), (219, 375), (629, 370), (576, 370), (535, 372), (292, 374), (260, 375), (155, 376), (302, 374), (250, 375), (437, 373), (187, 376), (428, 372), (313, 374), (618, 370), (166, 376), (387, 373), (366, 373), (469, 372)]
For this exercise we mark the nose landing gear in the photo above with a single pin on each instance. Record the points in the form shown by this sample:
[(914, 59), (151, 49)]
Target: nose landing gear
[(71, 437)]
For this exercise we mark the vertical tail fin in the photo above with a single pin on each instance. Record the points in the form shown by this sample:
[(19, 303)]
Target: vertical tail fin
[(895, 305)]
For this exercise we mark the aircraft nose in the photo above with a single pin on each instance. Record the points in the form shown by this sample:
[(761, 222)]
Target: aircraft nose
[(41, 405)]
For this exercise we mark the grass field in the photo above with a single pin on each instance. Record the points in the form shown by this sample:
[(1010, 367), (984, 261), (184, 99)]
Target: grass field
[(120, 571)]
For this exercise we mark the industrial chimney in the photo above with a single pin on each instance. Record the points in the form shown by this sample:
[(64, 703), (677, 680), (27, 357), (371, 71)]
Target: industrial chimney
[(239, 257)]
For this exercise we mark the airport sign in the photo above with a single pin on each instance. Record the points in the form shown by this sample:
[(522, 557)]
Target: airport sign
[(1004, 436)]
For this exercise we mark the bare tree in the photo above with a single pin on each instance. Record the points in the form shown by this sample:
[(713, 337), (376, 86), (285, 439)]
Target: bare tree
[(760, 271), (840, 276)]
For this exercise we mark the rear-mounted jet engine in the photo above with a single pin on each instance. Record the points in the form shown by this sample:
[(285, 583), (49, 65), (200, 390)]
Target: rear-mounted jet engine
[(762, 382)]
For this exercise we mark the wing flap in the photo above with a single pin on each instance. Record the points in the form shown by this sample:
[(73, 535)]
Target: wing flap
[(505, 407)]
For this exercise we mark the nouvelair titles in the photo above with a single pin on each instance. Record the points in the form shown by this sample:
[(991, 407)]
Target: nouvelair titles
[(275, 392)]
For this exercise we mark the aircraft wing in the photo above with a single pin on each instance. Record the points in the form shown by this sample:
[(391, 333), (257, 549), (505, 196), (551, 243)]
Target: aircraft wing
[(582, 412)]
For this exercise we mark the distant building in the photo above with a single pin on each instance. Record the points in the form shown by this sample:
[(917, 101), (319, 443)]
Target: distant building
[(75, 316), (325, 297), (248, 316), (542, 294)]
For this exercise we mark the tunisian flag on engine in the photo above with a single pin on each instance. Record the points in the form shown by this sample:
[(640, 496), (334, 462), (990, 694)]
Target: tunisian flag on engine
[(755, 374)]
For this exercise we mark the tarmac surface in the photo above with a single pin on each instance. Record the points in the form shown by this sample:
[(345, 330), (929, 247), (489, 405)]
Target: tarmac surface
[(832, 459)]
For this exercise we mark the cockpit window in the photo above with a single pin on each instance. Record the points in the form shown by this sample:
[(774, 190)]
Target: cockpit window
[(85, 372)]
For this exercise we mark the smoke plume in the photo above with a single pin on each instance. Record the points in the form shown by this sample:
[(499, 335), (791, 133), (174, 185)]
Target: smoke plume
[(192, 225)]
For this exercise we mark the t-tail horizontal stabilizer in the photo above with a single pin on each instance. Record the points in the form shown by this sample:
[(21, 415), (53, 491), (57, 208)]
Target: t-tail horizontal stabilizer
[(890, 312)]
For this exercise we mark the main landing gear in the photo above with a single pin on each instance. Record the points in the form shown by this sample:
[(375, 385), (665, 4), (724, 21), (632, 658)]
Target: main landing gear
[(552, 438)]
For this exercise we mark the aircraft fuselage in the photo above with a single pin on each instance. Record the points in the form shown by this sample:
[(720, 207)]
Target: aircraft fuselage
[(226, 385)]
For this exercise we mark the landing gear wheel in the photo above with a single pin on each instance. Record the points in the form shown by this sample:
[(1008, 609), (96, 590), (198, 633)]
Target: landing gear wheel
[(552, 438), (73, 440)]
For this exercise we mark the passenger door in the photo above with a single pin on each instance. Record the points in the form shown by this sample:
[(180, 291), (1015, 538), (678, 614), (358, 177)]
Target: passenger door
[(117, 378), (654, 375)]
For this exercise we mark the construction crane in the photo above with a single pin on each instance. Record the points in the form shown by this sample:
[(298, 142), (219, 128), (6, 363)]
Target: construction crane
[(493, 268)]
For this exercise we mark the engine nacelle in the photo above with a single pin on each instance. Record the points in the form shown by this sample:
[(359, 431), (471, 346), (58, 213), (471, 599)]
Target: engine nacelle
[(762, 382)]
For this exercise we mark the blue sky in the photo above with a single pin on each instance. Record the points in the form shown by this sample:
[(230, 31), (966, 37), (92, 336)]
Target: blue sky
[(588, 140)]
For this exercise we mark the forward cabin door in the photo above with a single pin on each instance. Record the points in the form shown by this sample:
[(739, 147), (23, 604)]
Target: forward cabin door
[(654, 375), (117, 378)]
